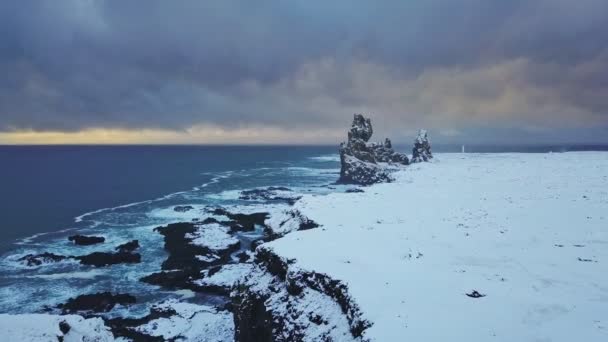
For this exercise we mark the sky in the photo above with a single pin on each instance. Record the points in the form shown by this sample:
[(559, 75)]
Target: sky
[(294, 72)]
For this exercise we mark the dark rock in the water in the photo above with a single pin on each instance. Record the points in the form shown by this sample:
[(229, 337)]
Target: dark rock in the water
[(183, 208), (184, 255), (422, 148), (44, 258), (273, 193), (84, 240), (64, 327), (128, 246), (244, 222), (359, 159), (98, 302), (475, 294), (354, 190), (99, 259), (176, 279)]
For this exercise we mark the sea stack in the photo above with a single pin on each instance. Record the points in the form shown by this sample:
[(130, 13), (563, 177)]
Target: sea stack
[(422, 148), (360, 159)]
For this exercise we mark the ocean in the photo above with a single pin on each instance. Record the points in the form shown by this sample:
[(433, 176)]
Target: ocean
[(123, 192)]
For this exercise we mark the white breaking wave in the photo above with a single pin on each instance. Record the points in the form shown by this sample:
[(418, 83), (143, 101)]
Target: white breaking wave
[(69, 275), (213, 180), (326, 158)]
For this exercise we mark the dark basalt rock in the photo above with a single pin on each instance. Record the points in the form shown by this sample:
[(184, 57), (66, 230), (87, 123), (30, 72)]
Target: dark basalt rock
[(269, 194), (475, 294), (125, 327), (183, 254), (355, 190), (99, 259), (98, 302), (252, 321), (183, 208), (128, 246), (359, 159), (243, 256), (39, 259), (422, 148), (255, 320), (64, 327), (244, 222), (83, 240), (176, 279)]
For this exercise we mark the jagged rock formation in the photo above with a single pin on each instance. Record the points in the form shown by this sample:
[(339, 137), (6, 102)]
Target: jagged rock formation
[(278, 301), (422, 148), (359, 159)]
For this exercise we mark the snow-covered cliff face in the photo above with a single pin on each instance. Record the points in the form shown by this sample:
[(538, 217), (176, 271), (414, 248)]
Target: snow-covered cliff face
[(278, 301), (422, 148), (359, 158)]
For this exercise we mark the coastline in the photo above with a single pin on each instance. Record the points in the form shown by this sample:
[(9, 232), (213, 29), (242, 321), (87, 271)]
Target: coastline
[(397, 260), (533, 243)]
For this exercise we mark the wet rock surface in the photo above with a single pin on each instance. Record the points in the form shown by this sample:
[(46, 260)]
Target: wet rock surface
[(270, 194), (40, 259), (83, 240), (100, 259), (184, 254), (359, 159), (241, 222), (183, 208), (97, 302), (128, 246)]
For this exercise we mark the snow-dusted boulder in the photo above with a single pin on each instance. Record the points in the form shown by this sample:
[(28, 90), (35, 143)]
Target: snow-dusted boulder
[(422, 148), (287, 221), (52, 328), (359, 159), (191, 322)]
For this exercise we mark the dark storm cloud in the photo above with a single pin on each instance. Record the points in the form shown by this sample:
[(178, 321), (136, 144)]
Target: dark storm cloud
[(73, 64)]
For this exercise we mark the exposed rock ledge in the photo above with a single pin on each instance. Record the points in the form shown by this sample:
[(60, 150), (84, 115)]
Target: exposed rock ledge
[(278, 301)]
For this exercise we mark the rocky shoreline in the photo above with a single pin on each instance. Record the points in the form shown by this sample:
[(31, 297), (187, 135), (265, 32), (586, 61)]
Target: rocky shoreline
[(269, 298)]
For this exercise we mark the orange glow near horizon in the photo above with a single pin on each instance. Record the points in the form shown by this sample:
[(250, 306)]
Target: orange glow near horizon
[(195, 135)]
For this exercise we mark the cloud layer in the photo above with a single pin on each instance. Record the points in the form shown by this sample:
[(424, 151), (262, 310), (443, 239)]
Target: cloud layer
[(456, 67)]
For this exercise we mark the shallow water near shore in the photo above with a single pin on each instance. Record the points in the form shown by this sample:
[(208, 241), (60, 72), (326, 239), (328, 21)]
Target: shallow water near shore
[(215, 178)]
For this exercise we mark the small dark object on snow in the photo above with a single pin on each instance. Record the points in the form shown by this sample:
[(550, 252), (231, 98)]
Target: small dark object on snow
[(64, 327), (475, 294), (354, 190), (586, 260)]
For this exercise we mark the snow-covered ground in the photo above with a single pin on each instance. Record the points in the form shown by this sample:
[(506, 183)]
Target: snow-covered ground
[(528, 231), (48, 328)]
